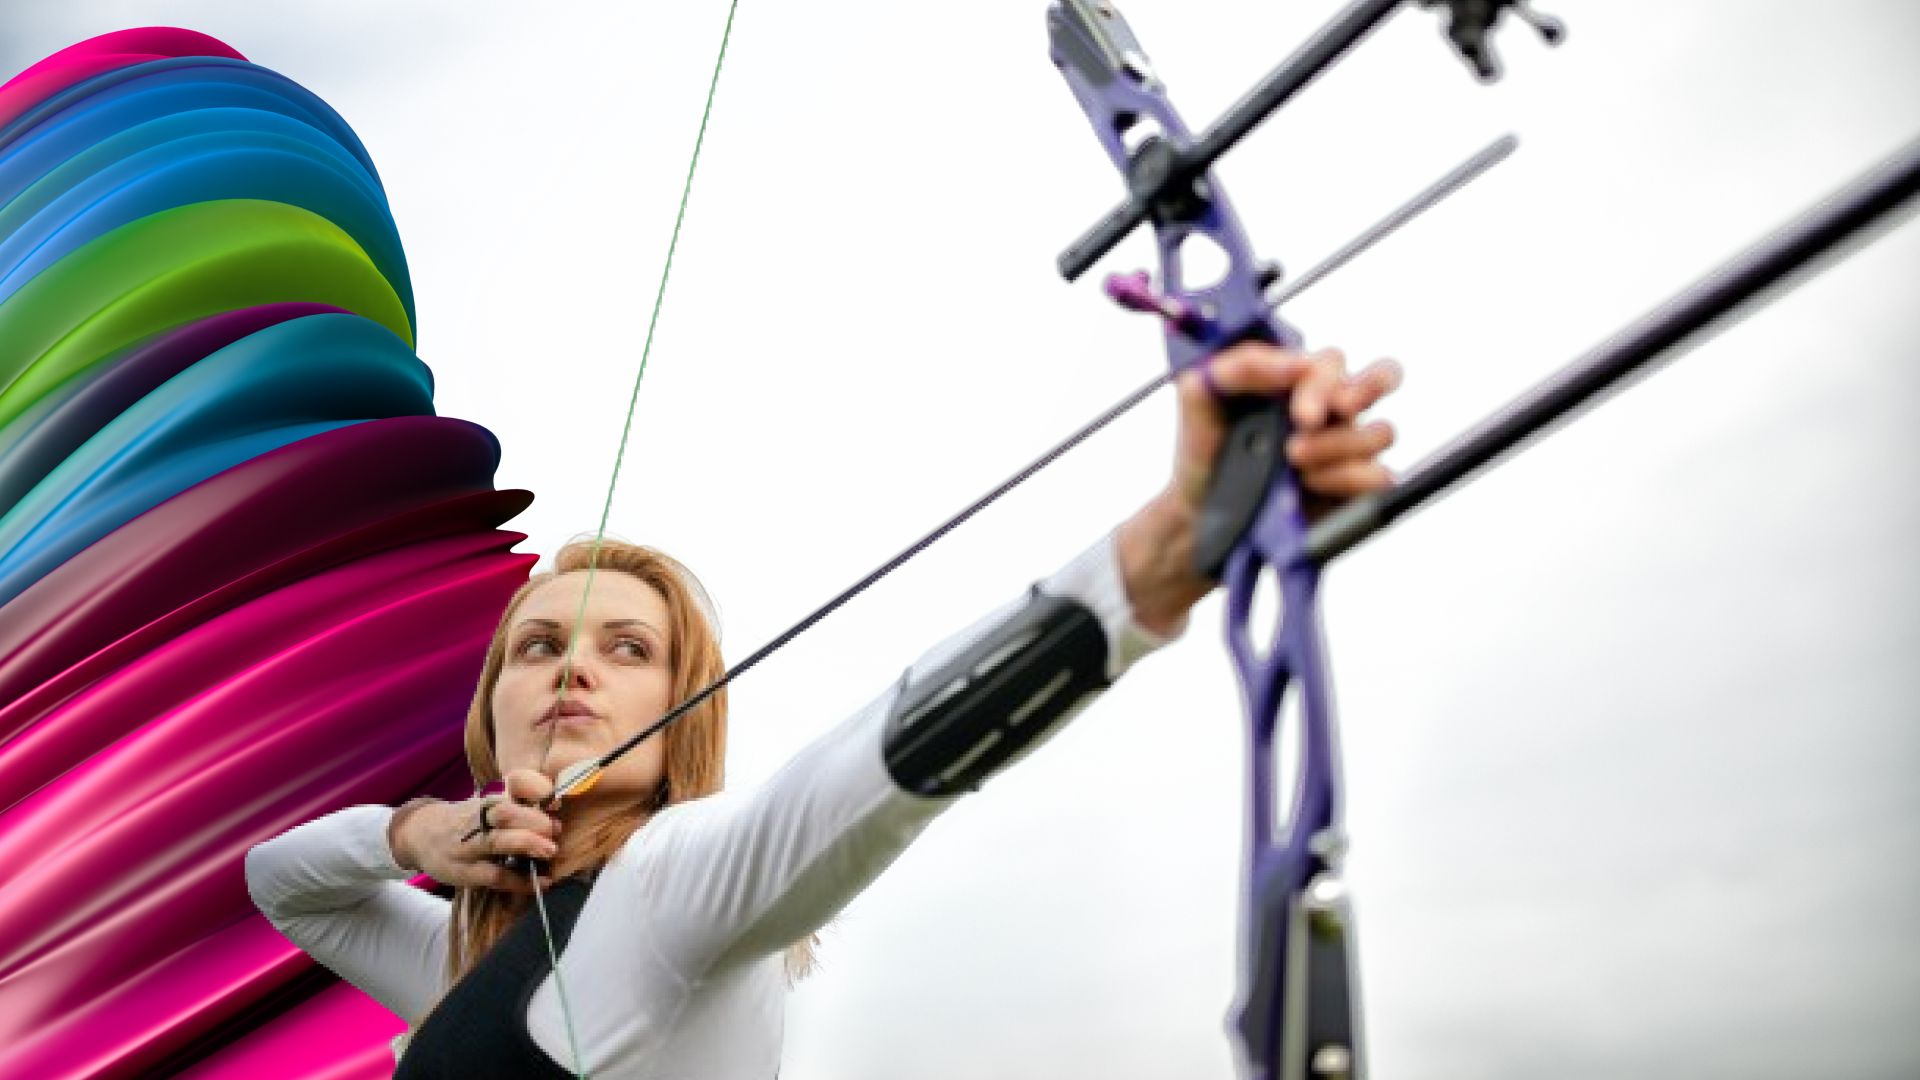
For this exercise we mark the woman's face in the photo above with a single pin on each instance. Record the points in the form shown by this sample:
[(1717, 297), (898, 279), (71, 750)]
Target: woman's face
[(619, 681)]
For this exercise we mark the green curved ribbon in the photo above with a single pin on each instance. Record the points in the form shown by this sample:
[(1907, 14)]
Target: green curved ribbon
[(172, 268)]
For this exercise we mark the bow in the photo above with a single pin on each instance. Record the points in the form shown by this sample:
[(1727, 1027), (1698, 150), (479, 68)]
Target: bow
[(1296, 1011)]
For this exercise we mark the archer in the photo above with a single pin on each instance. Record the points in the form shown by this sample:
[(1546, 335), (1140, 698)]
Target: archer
[(676, 914)]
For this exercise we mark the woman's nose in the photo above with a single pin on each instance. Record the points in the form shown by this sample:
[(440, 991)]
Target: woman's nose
[(576, 674)]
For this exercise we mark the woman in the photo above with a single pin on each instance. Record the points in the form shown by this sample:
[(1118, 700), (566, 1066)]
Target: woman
[(678, 913)]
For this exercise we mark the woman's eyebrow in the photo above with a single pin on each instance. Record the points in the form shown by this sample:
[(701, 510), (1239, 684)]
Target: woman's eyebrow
[(610, 624)]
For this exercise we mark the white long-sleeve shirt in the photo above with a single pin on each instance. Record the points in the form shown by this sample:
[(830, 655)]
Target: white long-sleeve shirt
[(676, 965)]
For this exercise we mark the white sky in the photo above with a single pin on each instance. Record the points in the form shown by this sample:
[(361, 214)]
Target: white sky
[(1630, 723)]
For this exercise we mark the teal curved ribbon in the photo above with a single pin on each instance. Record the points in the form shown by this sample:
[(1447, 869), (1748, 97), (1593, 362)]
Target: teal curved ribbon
[(283, 384)]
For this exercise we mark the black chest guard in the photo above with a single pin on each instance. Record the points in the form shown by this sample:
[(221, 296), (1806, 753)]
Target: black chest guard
[(479, 1030)]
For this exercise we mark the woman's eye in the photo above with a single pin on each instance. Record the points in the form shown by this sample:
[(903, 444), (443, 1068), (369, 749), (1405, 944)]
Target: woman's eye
[(528, 645), (635, 648)]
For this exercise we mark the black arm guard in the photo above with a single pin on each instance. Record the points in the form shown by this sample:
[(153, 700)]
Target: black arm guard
[(958, 725)]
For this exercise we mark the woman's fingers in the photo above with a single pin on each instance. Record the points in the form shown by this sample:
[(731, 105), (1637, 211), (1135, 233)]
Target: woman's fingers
[(520, 826), (1347, 479), (1327, 394), (1364, 390), (1255, 367), (1313, 395), (513, 829), (512, 815), (444, 843), (1258, 368), (528, 786), (1310, 451), (1333, 455), (527, 842), (520, 842), (1319, 382), (503, 839), (479, 862)]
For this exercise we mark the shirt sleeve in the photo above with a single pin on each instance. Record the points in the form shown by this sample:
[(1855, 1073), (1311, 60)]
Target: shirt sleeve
[(738, 876), (332, 887)]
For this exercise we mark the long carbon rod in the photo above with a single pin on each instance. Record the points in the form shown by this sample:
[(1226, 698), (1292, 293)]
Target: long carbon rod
[(1463, 174), (1874, 196)]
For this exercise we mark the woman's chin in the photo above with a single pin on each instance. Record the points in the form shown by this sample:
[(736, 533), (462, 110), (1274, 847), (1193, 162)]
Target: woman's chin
[(563, 754)]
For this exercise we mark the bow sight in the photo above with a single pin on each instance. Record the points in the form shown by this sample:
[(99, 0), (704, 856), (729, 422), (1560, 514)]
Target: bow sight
[(1166, 174), (1296, 1012)]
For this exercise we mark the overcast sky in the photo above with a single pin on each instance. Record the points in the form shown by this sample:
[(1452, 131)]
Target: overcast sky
[(1630, 723)]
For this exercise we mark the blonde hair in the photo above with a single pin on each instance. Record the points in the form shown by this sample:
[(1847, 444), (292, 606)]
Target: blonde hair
[(695, 744)]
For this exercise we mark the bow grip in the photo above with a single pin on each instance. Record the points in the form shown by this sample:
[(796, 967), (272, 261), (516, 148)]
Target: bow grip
[(1243, 474)]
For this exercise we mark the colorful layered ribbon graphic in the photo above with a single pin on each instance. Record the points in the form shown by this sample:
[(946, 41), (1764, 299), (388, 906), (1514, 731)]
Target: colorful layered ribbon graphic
[(246, 575)]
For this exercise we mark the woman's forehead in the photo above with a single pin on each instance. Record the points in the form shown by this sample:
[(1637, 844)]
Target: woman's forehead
[(613, 595)]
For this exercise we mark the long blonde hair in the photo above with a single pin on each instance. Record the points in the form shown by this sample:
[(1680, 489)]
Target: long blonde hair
[(695, 747)]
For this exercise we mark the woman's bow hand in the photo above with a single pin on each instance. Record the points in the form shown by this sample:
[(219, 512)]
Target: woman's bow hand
[(1333, 453)]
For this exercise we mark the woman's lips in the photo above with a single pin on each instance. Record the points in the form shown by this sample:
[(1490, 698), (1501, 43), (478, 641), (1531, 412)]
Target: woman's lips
[(568, 712)]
